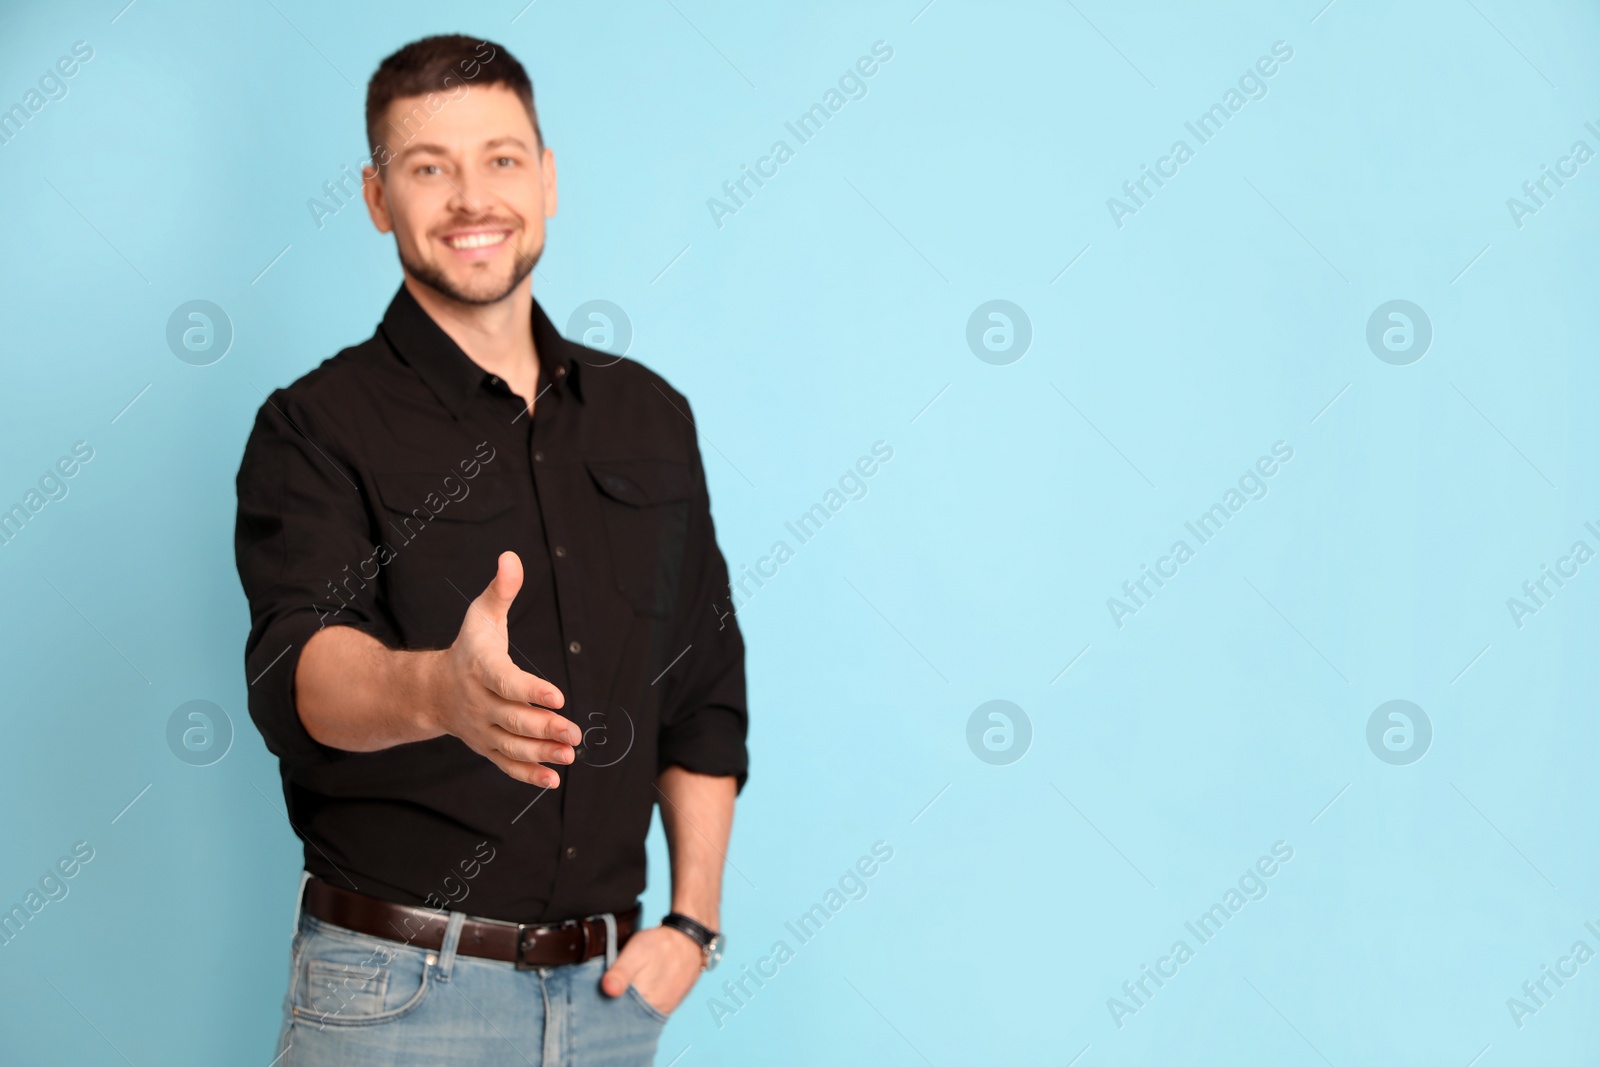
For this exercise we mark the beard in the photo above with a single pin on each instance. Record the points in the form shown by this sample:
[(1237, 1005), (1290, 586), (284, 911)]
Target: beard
[(435, 279)]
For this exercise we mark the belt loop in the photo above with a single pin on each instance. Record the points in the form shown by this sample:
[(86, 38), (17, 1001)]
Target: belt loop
[(611, 938), (452, 937), (299, 900)]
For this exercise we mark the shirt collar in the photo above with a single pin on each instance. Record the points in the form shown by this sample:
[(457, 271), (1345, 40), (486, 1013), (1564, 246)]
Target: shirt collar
[(451, 373)]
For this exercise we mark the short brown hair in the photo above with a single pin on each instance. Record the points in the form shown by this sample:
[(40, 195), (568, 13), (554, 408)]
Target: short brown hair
[(434, 66)]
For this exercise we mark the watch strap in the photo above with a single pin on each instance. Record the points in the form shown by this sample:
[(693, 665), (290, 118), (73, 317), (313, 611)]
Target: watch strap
[(697, 932)]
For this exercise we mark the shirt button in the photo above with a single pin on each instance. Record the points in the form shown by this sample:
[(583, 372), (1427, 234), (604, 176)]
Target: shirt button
[(571, 851), (574, 648), (561, 552), (561, 372), (538, 457)]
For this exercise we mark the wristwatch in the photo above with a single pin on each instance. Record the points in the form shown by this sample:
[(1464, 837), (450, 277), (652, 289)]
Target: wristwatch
[(710, 941)]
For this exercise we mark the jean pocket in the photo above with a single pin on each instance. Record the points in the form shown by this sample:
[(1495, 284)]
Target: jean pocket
[(345, 989), (356, 980), (655, 1013)]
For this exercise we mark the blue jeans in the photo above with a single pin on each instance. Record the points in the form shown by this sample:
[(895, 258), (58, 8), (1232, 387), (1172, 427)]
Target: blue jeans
[(356, 1000)]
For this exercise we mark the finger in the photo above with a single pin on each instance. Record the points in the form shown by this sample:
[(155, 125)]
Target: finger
[(526, 750), (495, 601), (530, 773), (506, 679), (615, 981), (519, 719)]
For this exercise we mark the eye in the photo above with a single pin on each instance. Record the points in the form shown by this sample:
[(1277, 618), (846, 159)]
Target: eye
[(425, 166), (506, 159)]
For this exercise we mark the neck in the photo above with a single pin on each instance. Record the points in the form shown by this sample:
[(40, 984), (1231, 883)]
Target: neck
[(497, 337)]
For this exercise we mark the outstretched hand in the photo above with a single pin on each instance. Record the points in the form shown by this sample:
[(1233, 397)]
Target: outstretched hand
[(484, 698)]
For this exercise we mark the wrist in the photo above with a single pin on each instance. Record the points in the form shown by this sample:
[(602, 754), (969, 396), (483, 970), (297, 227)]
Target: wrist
[(704, 940), (685, 943), (704, 915), (423, 680)]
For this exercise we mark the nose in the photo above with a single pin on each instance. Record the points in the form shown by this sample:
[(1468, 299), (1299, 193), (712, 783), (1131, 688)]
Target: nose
[(464, 193)]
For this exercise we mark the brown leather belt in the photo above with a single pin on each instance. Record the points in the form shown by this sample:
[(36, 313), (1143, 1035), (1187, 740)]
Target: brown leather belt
[(527, 945)]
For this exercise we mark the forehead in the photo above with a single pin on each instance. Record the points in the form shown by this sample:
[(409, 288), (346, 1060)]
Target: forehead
[(462, 121)]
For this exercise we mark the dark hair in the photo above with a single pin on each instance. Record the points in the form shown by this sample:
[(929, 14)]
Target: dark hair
[(441, 66)]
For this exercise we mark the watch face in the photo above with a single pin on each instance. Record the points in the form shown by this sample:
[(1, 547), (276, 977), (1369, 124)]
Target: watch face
[(714, 951)]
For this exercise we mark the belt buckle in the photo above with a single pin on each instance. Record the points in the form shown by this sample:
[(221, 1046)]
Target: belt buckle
[(521, 963)]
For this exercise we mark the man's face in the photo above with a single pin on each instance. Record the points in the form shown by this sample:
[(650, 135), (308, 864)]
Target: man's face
[(467, 194)]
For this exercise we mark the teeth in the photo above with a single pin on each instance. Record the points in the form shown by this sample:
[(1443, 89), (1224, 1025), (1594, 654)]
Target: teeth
[(477, 240)]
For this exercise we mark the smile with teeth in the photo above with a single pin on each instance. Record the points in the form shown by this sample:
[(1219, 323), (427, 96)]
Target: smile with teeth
[(476, 240)]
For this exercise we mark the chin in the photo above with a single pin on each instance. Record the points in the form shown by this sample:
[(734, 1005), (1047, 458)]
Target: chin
[(467, 284), (478, 290), (469, 288)]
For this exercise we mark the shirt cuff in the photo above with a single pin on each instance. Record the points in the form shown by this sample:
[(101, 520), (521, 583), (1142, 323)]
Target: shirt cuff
[(271, 666), (710, 741)]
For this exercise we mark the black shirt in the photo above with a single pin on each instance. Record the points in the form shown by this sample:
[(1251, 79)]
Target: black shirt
[(377, 491)]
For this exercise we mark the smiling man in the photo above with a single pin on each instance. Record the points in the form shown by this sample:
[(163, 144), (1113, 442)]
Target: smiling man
[(482, 571)]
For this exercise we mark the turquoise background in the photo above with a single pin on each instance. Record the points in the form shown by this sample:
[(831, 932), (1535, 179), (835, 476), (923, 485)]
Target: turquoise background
[(828, 313)]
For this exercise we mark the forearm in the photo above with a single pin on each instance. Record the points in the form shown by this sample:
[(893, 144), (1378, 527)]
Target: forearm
[(354, 693), (697, 814)]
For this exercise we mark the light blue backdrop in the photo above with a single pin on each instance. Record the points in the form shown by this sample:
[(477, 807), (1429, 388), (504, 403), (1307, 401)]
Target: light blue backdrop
[(1174, 341)]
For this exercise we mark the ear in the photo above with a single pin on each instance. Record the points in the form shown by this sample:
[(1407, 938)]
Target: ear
[(373, 193), (547, 169)]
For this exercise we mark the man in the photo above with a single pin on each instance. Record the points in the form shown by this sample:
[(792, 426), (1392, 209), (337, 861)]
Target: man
[(482, 577)]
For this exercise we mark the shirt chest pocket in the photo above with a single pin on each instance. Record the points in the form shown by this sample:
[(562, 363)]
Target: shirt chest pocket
[(645, 507), (441, 526)]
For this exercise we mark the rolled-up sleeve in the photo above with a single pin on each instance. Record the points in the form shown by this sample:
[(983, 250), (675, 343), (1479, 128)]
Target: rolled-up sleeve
[(704, 717), (301, 539)]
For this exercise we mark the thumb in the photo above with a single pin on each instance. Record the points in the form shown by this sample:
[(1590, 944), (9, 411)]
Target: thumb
[(495, 600), (615, 981)]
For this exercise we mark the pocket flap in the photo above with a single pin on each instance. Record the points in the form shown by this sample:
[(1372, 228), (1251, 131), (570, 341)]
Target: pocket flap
[(642, 481), (405, 491)]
